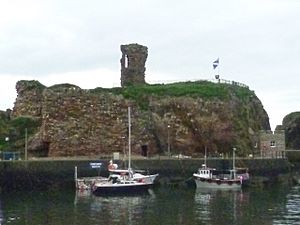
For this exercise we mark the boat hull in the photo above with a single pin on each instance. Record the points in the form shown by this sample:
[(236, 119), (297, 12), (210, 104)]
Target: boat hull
[(121, 189), (207, 183)]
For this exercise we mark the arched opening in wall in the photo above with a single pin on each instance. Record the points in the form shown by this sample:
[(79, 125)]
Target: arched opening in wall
[(144, 151), (40, 150), (126, 61)]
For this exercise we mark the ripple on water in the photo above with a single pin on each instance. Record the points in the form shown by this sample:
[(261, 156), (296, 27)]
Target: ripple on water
[(290, 214)]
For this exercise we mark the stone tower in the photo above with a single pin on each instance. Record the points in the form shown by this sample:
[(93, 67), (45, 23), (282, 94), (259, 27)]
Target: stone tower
[(133, 62)]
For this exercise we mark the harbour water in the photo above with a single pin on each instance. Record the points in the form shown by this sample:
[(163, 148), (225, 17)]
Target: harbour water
[(274, 205)]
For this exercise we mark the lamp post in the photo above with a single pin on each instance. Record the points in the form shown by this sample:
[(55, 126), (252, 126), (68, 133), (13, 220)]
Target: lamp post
[(169, 152), (233, 161), (7, 147), (7, 144), (26, 145)]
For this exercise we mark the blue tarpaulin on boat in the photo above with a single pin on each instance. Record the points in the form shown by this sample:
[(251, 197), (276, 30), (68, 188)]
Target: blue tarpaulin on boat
[(11, 155)]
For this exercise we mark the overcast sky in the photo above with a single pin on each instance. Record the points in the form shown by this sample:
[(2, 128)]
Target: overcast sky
[(78, 42)]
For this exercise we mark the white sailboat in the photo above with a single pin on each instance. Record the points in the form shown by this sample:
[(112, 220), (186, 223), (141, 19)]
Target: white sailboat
[(125, 181), (137, 175)]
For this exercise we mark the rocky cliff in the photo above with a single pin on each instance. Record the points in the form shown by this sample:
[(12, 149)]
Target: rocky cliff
[(184, 117), (291, 125)]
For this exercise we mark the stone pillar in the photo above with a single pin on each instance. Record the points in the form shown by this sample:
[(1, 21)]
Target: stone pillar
[(29, 99), (133, 62)]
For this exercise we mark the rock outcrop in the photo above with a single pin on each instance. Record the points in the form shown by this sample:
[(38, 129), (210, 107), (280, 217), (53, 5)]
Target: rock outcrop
[(185, 116), (291, 125)]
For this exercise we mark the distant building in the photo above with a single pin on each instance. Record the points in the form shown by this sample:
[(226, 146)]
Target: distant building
[(272, 144)]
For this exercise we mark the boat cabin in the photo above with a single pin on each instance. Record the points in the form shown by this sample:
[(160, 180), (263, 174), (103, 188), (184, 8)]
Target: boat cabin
[(205, 173), (212, 173)]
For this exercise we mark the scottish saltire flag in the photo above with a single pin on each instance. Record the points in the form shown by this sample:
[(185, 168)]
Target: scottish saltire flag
[(216, 63)]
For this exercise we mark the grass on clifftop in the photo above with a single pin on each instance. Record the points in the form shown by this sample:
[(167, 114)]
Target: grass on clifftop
[(203, 89)]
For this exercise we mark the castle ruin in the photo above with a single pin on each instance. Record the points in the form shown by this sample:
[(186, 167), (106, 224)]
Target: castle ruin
[(133, 61)]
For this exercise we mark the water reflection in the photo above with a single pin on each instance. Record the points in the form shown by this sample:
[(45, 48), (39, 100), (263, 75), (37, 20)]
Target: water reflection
[(290, 213), (36, 207), (114, 209), (275, 205), (219, 206), (162, 206), (1, 214)]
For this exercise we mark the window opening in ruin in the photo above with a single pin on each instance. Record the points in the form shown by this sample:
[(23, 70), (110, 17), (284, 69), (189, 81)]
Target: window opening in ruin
[(273, 144), (126, 61)]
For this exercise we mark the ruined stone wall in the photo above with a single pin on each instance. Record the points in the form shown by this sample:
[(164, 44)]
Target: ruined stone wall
[(77, 122), (85, 125), (133, 61), (29, 98), (82, 122)]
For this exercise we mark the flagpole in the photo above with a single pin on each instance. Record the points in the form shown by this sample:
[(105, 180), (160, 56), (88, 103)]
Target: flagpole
[(218, 74), (215, 65)]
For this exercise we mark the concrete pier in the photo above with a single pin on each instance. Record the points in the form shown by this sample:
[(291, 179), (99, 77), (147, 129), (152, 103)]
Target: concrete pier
[(36, 174)]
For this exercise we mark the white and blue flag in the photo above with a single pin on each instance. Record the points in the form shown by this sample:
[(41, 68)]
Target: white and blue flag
[(216, 63)]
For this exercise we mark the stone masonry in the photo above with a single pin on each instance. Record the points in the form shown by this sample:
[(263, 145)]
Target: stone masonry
[(133, 61), (272, 145), (78, 122)]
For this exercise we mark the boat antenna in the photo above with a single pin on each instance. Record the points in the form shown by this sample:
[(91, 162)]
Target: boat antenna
[(129, 139), (205, 157)]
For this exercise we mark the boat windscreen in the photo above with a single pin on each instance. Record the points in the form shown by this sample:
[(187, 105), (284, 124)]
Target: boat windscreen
[(218, 172)]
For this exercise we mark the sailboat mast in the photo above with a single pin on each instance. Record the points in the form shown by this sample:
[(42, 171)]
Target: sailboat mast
[(129, 139)]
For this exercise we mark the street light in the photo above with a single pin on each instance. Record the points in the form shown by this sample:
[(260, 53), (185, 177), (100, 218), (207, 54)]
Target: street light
[(233, 161), (6, 148), (169, 152)]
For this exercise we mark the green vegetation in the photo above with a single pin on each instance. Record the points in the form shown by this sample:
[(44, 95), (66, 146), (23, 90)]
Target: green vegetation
[(203, 89), (12, 133), (4, 126), (291, 117), (242, 93), (21, 123), (60, 86), (293, 157), (31, 85)]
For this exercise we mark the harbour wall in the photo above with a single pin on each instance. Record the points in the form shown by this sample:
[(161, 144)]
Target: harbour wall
[(41, 174)]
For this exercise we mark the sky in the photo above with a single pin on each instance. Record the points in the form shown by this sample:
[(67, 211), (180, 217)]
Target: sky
[(78, 42)]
